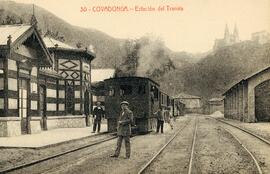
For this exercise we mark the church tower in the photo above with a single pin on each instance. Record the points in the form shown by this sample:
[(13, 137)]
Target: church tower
[(226, 35), (235, 34)]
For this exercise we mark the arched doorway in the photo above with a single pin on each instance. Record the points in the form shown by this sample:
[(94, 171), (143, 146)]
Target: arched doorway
[(262, 102)]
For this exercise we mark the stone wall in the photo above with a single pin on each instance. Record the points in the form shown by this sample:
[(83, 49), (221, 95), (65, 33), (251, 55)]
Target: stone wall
[(10, 126), (54, 122), (35, 125)]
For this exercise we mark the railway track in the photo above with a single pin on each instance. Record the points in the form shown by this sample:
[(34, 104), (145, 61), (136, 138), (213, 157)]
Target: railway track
[(34, 162), (152, 160), (244, 130), (256, 157), (247, 150)]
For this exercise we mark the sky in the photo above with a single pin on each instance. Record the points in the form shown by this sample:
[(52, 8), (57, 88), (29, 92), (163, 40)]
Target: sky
[(194, 29)]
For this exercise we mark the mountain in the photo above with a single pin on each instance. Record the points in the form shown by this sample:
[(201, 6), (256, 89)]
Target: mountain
[(206, 74), (109, 50), (184, 57), (214, 74)]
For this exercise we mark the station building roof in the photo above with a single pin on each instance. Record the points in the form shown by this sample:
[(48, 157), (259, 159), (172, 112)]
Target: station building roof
[(15, 31), (51, 43), (246, 78), (98, 75), (216, 99), (56, 45), (186, 96), (19, 33), (123, 78)]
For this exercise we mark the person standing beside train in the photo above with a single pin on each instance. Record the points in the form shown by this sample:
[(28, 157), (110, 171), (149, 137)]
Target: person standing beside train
[(167, 117), (124, 129), (98, 114), (160, 119)]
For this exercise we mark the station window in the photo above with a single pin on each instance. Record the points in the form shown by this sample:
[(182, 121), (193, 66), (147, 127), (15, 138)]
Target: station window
[(111, 91), (141, 89), (168, 101), (125, 90)]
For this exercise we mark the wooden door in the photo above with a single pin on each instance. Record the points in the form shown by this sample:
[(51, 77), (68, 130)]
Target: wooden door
[(23, 105), (42, 94)]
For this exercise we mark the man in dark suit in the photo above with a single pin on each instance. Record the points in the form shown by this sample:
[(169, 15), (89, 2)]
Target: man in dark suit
[(124, 129), (98, 114), (160, 119)]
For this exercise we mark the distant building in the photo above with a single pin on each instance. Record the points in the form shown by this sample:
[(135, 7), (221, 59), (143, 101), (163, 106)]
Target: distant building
[(178, 108), (192, 103), (248, 100), (97, 78), (261, 37), (229, 39), (215, 104)]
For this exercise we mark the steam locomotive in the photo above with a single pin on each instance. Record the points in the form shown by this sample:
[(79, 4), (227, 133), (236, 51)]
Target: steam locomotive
[(144, 96)]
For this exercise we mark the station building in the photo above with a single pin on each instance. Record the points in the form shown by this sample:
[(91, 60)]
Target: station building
[(178, 108), (191, 103), (215, 104), (249, 99), (44, 84), (98, 86)]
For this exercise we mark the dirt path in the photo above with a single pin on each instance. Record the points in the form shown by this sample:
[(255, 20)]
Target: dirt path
[(217, 151), (16, 156), (175, 158), (258, 148), (97, 160), (262, 129)]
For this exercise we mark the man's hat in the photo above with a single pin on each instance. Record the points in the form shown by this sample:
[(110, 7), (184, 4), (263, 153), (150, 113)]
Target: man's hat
[(124, 102)]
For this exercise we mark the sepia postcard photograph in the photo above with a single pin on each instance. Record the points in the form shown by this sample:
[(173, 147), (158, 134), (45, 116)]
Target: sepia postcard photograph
[(135, 86)]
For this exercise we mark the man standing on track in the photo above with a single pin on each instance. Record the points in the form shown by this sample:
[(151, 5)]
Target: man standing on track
[(98, 114), (124, 129), (160, 119)]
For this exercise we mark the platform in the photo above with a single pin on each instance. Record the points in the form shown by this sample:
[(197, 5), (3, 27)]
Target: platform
[(48, 138)]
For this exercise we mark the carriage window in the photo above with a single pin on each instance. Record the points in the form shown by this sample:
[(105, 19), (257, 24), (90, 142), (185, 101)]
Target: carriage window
[(125, 90), (111, 91), (154, 91), (141, 89)]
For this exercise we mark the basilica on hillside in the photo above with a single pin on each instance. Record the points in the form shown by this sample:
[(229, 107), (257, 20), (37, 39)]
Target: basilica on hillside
[(229, 38)]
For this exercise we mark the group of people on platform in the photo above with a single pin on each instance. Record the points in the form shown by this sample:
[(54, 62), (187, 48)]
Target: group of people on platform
[(125, 122), (163, 115)]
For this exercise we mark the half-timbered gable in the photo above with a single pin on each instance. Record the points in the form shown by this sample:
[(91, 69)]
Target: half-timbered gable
[(22, 53), (44, 83), (74, 66)]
